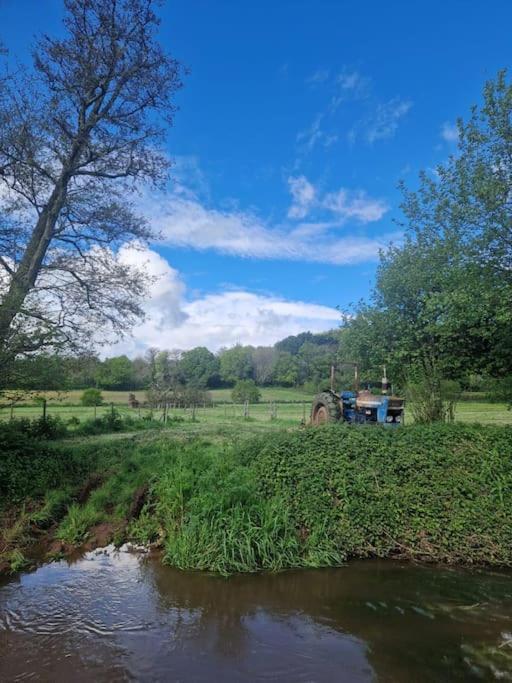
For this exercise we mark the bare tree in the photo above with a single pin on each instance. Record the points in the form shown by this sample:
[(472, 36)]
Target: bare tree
[(79, 133)]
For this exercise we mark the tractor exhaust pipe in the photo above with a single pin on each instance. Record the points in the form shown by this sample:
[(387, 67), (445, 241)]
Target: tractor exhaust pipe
[(385, 383)]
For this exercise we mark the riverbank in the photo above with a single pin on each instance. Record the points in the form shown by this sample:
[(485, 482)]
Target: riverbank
[(235, 501)]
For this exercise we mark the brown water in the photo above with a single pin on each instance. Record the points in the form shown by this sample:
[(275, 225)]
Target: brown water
[(116, 616)]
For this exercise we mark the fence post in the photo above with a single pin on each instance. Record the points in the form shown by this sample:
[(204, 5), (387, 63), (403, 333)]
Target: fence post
[(246, 410), (112, 409), (12, 410), (44, 409), (273, 411)]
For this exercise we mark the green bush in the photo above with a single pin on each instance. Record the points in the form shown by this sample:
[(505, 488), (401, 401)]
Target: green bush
[(91, 397), (317, 497), (245, 390), (49, 427), (29, 467)]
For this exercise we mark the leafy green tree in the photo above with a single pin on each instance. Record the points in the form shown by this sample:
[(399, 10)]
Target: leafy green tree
[(441, 306), (40, 372), (91, 397), (115, 373), (245, 390), (286, 370), (293, 343), (200, 368), (236, 363)]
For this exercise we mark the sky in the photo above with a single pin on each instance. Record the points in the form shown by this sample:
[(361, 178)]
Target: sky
[(295, 124)]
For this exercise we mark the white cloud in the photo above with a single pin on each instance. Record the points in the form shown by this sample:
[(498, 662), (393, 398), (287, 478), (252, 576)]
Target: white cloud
[(216, 319), (349, 85), (183, 221), (449, 132), (303, 194), (309, 137), (344, 204), (355, 205), (384, 122)]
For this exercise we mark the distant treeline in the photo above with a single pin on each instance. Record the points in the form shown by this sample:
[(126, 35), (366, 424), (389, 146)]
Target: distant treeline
[(299, 360)]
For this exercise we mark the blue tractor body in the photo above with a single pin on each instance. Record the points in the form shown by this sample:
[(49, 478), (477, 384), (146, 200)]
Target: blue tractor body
[(358, 407)]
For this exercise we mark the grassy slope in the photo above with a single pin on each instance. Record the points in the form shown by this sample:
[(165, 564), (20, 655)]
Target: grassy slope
[(232, 499)]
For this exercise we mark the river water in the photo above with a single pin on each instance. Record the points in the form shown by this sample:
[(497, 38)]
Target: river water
[(115, 616)]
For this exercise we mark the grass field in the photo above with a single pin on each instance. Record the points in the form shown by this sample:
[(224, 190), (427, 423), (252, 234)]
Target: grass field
[(286, 414), (268, 394)]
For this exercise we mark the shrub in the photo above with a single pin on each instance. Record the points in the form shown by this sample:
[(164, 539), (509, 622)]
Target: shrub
[(29, 467), (500, 390), (91, 397), (317, 497), (245, 390), (433, 399)]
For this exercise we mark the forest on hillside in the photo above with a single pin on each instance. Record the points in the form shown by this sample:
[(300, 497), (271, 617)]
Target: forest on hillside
[(298, 360)]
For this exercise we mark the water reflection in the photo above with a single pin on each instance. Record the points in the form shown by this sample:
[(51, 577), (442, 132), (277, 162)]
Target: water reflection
[(115, 617)]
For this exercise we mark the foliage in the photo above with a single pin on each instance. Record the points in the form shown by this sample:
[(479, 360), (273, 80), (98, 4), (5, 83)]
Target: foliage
[(114, 422), (501, 389), (245, 390), (286, 370), (320, 496), (49, 427), (432, 399), (440, 493), (115, 373), (91, 397), (236, 363), (29, 467), (200, 368), (441, 303), (307, 498)]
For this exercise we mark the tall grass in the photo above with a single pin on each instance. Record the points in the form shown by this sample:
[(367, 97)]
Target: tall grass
[(304, 498)]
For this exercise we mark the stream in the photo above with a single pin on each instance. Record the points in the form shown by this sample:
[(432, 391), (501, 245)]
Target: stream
[(120, 616)]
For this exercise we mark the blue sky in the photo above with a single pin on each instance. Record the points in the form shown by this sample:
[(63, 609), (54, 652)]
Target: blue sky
[(296, 122)]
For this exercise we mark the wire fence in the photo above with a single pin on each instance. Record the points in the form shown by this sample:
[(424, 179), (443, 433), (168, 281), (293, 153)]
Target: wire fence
[(209, 412)]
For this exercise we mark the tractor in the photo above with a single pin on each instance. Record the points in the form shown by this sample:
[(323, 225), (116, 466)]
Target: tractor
[(358, 407)]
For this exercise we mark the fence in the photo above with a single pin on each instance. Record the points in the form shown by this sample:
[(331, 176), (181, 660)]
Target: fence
[(208, 412)]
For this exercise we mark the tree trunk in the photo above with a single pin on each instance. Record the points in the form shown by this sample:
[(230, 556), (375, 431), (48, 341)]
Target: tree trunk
[(26, 274)]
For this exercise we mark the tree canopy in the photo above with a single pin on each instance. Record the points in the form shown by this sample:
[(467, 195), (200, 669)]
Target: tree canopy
[(442, 300)]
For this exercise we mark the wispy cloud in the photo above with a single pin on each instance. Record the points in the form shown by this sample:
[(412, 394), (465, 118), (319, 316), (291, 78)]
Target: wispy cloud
[(183, 220), (349, 84), (377, 121), (449, 132), (342, 205), (355, 205), (303, 196), (317, 77), (383, 123)]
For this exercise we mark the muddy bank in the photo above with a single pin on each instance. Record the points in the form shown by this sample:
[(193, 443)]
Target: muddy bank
[(28, 538)]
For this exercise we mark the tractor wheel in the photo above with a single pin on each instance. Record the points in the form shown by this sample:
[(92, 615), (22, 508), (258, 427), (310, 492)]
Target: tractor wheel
[(326, 408)]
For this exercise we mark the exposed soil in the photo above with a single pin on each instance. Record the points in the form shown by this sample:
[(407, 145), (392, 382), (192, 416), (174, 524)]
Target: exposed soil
[(40, 545)]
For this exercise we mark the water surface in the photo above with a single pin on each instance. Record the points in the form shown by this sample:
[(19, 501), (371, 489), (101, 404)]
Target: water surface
[(115, 616)]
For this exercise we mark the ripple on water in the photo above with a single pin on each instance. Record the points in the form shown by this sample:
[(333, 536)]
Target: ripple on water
[(116, 616)]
